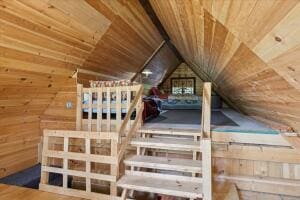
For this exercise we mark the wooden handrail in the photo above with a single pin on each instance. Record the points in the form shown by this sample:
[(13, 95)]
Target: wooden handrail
[(132, 130), (206, 168), (137, 97), (139, 110)]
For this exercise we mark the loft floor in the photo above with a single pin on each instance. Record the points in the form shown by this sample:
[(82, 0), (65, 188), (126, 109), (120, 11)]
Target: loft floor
[(223, 120)]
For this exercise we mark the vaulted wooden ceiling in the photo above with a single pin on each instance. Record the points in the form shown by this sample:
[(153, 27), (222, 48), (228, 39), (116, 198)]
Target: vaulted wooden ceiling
[(43, 42), (249, 49)]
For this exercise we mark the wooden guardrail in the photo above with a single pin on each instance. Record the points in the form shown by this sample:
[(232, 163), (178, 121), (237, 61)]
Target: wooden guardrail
[(63, 148)]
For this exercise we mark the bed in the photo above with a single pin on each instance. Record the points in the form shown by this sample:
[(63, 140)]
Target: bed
[(179, 102)]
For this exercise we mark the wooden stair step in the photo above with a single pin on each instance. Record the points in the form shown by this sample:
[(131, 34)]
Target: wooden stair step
[(163, 163), (161, 186), (182, 132), (167, 143)]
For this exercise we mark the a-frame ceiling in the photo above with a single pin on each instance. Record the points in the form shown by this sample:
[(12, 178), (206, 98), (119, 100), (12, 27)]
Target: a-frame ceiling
[(249, 49)]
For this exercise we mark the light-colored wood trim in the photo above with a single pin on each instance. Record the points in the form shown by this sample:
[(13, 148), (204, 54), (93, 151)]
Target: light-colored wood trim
[(79, 107), (206, 168), (93, 73), (264, 184), (124, 127), (81, 156), (90, 110), (88, 167), (165, 176), (65, 162), (293, 139), (99, 109), (82, 134), (249, 138), (206, 110), (86, 174)]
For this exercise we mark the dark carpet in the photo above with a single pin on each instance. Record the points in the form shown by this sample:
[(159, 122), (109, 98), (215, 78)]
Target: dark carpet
[(191, 117)]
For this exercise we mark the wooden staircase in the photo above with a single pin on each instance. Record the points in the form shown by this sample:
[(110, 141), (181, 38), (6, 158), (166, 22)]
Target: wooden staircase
[(180, 177), (153, 169)]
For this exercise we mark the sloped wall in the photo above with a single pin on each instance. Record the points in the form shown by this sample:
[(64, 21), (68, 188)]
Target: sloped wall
[(23, 98), (249, 49), (42, 43)]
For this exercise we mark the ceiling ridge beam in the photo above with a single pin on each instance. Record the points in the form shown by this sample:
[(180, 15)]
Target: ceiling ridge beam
[(155, 20)]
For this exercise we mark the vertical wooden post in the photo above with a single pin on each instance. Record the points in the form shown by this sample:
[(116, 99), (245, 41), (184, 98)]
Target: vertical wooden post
[(99, 109), (90, 110), (114, 168), (65, 162), (108, 99), (206, 168), (128, 103), (206, 111), (88, 164), (79, 107), (45, 175)]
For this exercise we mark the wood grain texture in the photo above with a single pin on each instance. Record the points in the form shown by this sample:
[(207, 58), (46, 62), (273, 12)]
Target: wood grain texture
[(42, 43), (248, 49), (8, 192), (161, 65)]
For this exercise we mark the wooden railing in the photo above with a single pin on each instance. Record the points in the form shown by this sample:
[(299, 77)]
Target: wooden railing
[(62, 146)]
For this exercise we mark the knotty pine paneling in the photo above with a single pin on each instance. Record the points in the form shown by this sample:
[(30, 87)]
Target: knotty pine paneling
[(57, 116), (42, 43), (24, 96), (248, 49)]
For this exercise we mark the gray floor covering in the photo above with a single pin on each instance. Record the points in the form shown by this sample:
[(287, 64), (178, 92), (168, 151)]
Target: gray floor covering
[(191, 117)]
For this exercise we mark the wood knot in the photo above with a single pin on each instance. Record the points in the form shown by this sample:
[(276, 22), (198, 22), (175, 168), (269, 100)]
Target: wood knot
[(291, 68), (2, 170), (278, 39)]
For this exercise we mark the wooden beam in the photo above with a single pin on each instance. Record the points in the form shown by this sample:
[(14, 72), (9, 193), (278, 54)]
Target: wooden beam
[(93, 73)]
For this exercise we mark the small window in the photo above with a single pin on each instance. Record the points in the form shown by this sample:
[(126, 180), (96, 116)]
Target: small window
[(183, 85)]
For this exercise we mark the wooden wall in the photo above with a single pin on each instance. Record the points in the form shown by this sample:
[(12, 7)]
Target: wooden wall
[(42, 43), (249, 49), (182, 71), (24, 96), (57, 116)]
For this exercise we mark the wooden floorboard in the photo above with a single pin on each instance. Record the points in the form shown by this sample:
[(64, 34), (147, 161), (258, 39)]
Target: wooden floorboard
[(9, 192)]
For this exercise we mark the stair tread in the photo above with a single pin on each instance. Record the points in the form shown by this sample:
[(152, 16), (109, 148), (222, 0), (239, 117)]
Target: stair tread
[(167, 142), (161, 186), (179, 164), (169, 131)]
